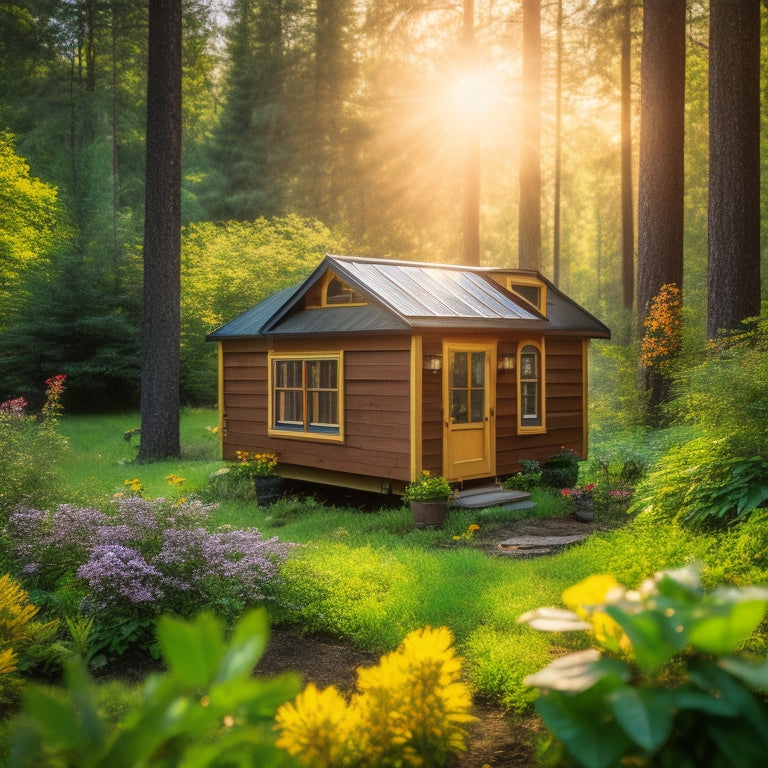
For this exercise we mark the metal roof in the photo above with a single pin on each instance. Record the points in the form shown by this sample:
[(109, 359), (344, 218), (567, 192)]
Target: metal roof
[(403, 296)]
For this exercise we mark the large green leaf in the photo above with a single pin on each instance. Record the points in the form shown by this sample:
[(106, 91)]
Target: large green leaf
[(585, 726), (249, 639), (725, 618), (755, 675), (192, 650), (645, 714)]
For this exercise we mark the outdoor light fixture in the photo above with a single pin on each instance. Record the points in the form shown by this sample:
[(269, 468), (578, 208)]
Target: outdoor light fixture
[(506, 363), (433, 363)]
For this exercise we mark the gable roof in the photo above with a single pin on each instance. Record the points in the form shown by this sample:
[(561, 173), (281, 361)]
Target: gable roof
[(405, 296)]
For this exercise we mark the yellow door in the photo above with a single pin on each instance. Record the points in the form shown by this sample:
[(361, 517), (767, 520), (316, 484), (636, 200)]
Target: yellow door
[(468, 412)]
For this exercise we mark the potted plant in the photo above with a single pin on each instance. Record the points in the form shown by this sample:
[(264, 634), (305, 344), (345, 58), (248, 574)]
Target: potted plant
[(261, 467), (428, 497)]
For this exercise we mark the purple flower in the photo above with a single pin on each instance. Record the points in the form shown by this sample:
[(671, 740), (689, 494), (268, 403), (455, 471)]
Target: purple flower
[(117, 573), (137, 512)]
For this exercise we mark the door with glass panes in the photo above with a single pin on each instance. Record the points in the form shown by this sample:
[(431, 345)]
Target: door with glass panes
[(468, 411)]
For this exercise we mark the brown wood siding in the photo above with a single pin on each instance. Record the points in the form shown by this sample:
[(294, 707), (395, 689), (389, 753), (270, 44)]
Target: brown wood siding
[(565, 401), (376, 406)]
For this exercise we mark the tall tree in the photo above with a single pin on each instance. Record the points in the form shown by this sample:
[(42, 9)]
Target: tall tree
[(529, 214), (471, 250), (162, 238), (661, 182), (733, 284), (627, 204)]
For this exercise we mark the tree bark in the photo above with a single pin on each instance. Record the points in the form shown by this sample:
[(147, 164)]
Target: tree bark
[(162, 237), (529, 229), (627, 205), (733, 283), (661, 181)]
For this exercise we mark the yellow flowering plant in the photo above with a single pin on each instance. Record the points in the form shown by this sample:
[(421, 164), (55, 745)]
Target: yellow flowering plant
[(410, 710), (256, 464), (427, 487)]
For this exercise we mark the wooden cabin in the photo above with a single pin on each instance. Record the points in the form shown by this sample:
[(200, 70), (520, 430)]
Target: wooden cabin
[(372, 370)]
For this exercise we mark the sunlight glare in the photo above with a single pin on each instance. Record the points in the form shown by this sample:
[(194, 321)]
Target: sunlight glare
[(473, 93)]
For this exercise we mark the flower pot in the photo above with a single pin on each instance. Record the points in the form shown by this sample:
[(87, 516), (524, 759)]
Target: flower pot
[(429, 513), (269, 488)]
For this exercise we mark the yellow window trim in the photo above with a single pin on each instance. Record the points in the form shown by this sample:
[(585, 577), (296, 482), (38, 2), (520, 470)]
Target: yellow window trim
[(513, 280), (537, 429), (301, 434)]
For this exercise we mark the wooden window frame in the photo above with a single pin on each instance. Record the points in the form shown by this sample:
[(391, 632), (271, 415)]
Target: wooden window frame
[(540, 380), (513, 280), (305, 431), (321, 292)]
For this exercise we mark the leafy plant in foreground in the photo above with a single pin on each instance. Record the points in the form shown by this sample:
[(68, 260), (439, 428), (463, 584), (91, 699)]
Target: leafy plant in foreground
[(666, 687), (206, 710)]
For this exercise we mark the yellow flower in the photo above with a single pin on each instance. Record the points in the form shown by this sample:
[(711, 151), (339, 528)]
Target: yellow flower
[(588, 598), (316, 728), (473, 527), (174, 479)]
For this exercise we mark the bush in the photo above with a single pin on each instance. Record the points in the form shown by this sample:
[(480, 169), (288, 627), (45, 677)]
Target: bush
[(527, 479), (142, 559), (562, 470), (20, 634), (666, 686), (411, 710), (31, 447)]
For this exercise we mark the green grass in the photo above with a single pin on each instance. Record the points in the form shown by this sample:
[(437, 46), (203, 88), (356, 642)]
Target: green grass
[(100, 459), (371, 577)]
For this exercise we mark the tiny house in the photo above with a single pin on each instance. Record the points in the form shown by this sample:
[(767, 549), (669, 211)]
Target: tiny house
[(372, 370)]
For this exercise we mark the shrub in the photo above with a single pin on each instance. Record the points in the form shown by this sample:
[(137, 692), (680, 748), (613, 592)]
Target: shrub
[(666, 685), (411, 710), (31, 447), (206, 710), (703, 483), (528, 478), (19, 634), (562, 470), (427, 487), (142, 559)]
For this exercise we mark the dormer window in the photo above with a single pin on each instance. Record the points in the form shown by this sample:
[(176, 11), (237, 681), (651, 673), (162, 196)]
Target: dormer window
[(530, 289), (332, 291)]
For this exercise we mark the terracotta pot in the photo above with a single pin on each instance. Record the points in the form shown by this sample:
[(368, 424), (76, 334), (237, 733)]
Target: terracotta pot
[(269, 488), (429, 513)]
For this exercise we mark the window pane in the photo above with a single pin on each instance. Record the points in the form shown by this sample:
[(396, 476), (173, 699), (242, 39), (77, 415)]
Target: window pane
[(478, 405), (288, 409), (323, 412), (459, 410), (530, 400), (528, 365), (459, 371), (288, 373), (478, 369)]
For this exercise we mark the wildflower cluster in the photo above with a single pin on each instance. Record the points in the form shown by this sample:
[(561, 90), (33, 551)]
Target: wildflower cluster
[(13, 408), (472, 529), (143, 557), (663, 337), (579, 493), (410, 710), (427, 487), (259, 464), (54, 389)]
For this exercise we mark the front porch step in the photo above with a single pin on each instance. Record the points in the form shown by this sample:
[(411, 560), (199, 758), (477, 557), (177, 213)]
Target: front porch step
[(492, 496)]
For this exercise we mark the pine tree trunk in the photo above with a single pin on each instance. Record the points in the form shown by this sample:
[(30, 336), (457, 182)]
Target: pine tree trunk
[(734, 164), (661, 182), (162, 237)]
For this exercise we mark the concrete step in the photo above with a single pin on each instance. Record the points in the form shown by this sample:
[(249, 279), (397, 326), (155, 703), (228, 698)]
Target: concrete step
[(490, 496)]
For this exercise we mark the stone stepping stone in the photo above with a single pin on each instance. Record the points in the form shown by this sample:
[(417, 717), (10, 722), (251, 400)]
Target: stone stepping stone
[(530, 546), (489, 496)]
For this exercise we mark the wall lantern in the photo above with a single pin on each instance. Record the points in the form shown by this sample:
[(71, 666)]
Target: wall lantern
[(506, 363), (433, 363)]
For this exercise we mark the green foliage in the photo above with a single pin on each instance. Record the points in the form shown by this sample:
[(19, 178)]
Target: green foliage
[(427, 487), (562, 470), (21, 636), (527, 479), (206, 710), (667, 686), (30, 451), (702, 483), (227, 269)]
